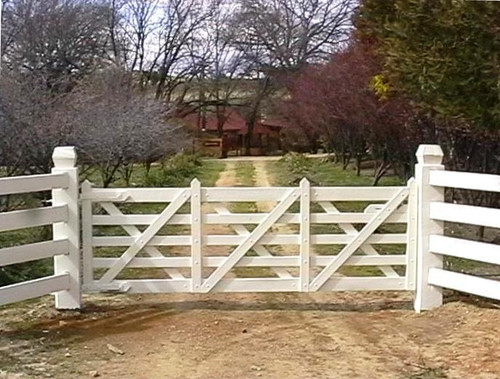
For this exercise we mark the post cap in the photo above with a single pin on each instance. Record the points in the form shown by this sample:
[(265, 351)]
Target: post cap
[(430, 154), (64, 157)]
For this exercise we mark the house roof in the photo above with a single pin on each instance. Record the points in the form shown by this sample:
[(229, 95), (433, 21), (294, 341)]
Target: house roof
[(234, 123)]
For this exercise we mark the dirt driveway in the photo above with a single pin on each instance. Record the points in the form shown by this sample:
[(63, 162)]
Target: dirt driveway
[(338, 335)]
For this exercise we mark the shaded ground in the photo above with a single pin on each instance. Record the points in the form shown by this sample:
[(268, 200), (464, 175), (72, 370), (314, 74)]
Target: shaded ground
[(369, 335), (337, 335)]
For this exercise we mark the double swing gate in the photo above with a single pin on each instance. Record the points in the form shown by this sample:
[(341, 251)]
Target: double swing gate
[(235, 239), (222, 239)]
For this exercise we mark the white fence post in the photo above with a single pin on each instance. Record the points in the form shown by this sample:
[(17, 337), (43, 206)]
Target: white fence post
[(65, 162), (430, 158)]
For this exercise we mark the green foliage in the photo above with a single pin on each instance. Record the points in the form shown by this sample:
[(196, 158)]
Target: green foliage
[(290, 170), (380, 85), (176, 171), (297, 166), (443, 54)]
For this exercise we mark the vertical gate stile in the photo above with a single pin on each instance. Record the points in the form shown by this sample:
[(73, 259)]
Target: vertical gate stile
[(87, 252), (196, 236), (411, 233), (305, 231)]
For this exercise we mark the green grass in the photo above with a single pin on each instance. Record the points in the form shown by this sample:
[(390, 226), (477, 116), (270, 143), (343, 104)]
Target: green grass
[(245, 174), (290, 170), (206, 171)]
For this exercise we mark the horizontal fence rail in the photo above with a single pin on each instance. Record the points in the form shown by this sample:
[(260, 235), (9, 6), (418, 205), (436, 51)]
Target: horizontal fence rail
[(440, 245), (203, 239), (32, 183), (200, 209), (62, 216)]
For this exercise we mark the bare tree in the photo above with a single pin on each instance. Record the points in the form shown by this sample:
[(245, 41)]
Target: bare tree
[(290, 33), (220, 66), (276, 36), (55, 39), (132, 25), (180, 22), (116, 125)]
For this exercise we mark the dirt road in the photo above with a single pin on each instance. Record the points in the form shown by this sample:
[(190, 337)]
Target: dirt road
[(338, 335)]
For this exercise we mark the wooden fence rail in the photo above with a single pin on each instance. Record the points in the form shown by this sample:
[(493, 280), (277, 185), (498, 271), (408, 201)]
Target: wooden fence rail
[(63, 215), (391, 238), (434, 245)]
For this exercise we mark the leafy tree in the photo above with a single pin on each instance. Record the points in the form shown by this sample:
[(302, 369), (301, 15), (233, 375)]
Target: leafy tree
[(442, 53)]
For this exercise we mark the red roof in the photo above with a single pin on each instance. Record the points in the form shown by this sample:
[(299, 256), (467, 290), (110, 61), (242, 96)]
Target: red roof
[(234, 123)]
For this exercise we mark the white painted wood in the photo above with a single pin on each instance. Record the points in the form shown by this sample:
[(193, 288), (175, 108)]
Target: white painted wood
[(245, 218), (412, 236), (30, 218), (361, 238), (462, 248), (33, 252), (137, 219), (375, 208), (65, 163), (259, 249), (267, 239), (246, 194), (250, 240), (143, 239), (34, 288), (135, 232), (429, 159), (134, 195), (465, 283), (87, 233), (261, 261), (350, 229), (466, 214), (32, 183), (196, 236), (305, 234), (353, 193), (465, 180), (262, 285)]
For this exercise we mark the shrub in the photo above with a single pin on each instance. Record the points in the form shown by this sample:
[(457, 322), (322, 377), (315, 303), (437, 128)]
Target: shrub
[(298, 166), (177, 171)]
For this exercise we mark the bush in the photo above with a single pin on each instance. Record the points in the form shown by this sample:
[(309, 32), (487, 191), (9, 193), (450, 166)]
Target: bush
[(177, 171), (298, 166)]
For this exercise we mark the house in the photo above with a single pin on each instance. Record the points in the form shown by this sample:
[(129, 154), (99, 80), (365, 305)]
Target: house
[(231, 140)]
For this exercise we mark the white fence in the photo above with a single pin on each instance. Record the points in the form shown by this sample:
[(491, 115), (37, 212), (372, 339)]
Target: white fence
[(281, 239), (279, 245), (63, 215), (437, 245)]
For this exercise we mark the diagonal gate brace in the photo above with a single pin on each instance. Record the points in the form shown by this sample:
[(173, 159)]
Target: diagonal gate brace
[(259, 249), (133, 231), (250, 240), (359, 239), (144, 238)]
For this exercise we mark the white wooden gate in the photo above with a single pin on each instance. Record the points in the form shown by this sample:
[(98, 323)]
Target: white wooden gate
[(302, 239), (219, 239)]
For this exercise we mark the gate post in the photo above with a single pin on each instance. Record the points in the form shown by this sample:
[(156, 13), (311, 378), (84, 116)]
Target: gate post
[(65, 162), (429, 158)]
